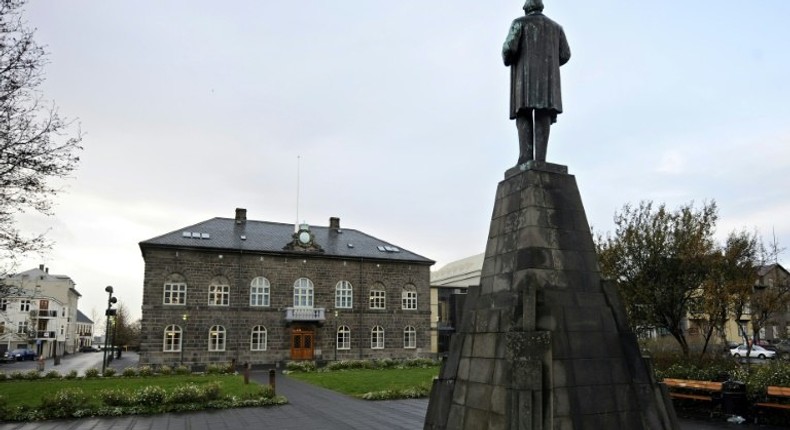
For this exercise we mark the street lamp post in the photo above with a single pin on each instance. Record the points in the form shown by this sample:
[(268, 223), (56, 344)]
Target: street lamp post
[(113, 350), (183, 336), (335, 320), (110, 312)]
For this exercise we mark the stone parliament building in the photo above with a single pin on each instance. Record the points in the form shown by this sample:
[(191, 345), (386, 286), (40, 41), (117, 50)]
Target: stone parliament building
[(235, 290)]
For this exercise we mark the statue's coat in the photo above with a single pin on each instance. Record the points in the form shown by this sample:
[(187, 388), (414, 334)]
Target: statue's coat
[(535, 49)]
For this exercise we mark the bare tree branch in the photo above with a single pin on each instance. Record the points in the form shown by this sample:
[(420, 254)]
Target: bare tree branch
[(37, 145)]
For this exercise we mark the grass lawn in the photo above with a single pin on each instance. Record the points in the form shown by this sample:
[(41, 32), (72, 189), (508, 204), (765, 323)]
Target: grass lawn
[(26, 392), (358, 382)]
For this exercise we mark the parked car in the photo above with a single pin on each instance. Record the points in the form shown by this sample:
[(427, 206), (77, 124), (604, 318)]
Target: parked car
[(756, 352), (782, 349), (89, 348), (21, 354)]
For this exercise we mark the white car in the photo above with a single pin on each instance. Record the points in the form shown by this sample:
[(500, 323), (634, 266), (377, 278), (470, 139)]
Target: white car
[(756, 352)]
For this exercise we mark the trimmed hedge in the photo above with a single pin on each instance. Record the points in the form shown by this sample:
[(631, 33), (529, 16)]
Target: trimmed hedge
[(75, 403), (386, 363), (407, 393)]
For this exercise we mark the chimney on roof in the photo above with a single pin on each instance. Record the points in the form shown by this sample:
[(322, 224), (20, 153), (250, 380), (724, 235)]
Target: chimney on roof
[(41, 267), (334, 223), (241, 216)]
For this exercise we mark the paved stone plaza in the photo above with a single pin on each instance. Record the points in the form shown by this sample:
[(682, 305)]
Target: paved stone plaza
[(309, 408)]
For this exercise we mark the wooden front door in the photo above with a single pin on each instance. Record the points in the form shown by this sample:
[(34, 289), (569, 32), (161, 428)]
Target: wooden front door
[(302, 344)]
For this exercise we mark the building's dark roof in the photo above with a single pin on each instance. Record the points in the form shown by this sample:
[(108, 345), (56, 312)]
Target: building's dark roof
[(82, 318), (270, 237), (764, 270)]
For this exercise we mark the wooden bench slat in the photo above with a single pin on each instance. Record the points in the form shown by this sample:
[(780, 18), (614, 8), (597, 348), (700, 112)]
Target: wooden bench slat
[(692, 384), (778, 391), (691, 396), (773, 405)]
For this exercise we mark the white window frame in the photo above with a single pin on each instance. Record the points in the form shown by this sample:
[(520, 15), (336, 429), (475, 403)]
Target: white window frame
[(22, 327), (409, 338), (344, 295), (218, 295), (259, 338), (343, 338), (260, 289), (377, 337), (217, 337), (172, 339), (303, 293), (174, 293), (409, 298), (24, 305), (378, 298)]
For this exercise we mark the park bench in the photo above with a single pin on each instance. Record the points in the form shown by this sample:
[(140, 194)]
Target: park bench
[(777, 398), (689, 389)]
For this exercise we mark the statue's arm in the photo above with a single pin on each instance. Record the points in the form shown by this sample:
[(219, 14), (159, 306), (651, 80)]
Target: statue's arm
[(565, 50), (510, 48)]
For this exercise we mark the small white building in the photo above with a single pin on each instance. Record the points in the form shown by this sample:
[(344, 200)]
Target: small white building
[(84, 330), (40, 313)]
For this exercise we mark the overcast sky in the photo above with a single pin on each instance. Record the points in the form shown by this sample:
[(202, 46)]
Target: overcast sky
[(398, 111)]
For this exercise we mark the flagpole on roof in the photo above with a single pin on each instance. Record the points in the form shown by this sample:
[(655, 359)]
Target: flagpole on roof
[(296, 224)]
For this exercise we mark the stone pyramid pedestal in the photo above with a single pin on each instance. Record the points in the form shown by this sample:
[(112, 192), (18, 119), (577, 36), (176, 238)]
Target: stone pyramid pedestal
[(544, 343)]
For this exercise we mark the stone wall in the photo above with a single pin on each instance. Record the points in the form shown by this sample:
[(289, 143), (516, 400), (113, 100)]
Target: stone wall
[(198, 268), (544, 344)]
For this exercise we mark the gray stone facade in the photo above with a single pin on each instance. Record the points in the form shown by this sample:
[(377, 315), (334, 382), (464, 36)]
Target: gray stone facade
[(217, 261), (544, 343)]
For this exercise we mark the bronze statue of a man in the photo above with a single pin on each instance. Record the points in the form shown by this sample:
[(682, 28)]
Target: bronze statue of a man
[(535, 49)]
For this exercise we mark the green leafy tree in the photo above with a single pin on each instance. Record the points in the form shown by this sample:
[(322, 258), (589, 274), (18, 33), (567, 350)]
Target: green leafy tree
[(659, 259), (37, 145), (727, 290)]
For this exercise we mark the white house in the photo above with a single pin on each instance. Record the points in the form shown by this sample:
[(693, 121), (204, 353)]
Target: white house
[(41, 313)]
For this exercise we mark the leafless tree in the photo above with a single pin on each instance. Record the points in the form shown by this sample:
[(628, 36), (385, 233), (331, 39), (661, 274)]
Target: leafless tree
[(771, 292), (38, 147)]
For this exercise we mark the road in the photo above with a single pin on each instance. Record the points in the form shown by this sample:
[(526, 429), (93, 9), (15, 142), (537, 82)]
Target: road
[(80, 362)]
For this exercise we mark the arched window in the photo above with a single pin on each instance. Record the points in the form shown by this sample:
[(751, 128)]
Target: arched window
[(409, 297), (409, 337), (303, 293), (378, 297), (172, 339), (377, 338), (216, 338), (258, 338), (343, 337), (343, 295), (259, 291)]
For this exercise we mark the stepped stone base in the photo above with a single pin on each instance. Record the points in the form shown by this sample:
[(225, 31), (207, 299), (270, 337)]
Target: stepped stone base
[(544, 343)]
